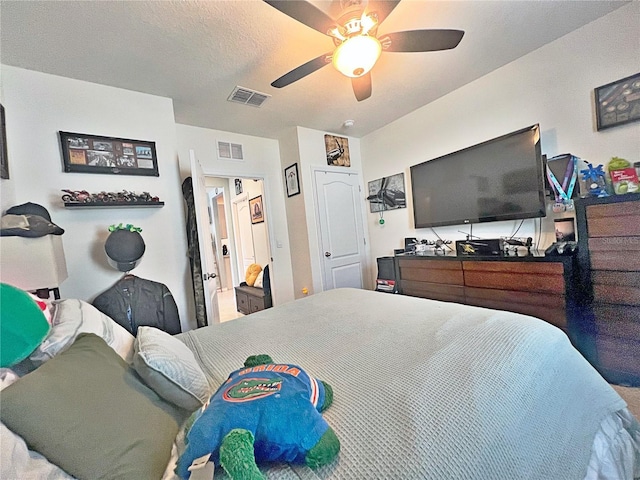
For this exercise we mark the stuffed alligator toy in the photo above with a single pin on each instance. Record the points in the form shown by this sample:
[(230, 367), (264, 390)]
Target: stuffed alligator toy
[(264, 412)]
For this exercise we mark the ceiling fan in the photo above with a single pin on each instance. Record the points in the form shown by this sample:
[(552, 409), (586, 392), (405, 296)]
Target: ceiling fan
[(355, 35)]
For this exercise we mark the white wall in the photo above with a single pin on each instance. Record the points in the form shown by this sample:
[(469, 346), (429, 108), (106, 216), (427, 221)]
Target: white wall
[(296, 218), (552, 86), (262, 160), (37, 107)]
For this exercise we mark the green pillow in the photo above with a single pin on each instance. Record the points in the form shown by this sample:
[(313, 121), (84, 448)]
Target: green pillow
[(23, 325), (88, 412)]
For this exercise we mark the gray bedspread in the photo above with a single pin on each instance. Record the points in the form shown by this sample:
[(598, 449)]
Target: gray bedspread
[(426, 389)]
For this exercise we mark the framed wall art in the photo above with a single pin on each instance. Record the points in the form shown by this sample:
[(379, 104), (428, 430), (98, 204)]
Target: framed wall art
[(337, 150), (238, 184), (618, 102), (4, 157), (257, 210), (387, 193), (291, 180), (84, 153)]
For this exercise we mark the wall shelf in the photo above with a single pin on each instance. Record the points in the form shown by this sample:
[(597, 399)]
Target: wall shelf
[(89, 205)]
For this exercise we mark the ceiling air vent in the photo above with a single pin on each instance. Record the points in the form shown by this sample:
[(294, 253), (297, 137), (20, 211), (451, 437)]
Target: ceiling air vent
[(230, 151), (248, 97)]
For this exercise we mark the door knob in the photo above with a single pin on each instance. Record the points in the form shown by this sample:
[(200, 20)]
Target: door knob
[(327, 254), (208, 276)]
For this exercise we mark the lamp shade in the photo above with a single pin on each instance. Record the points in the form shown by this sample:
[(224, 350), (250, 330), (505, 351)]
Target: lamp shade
[(357, 55), (32, 263)]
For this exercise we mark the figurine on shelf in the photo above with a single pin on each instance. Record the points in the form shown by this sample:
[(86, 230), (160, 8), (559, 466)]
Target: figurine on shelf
[(594, 181), (76, 196), (120, 198)]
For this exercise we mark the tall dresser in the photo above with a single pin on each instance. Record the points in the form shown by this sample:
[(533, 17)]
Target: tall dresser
[(609, 256)]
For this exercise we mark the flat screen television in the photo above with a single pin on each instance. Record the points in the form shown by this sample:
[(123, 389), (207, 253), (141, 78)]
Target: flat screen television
[(500, 179)]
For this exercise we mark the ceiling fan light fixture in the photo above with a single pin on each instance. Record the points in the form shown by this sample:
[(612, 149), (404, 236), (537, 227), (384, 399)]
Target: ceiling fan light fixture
[(357, 55)]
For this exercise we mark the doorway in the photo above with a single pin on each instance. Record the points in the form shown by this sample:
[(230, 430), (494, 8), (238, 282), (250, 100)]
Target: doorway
[(237, 240), (340, 229)]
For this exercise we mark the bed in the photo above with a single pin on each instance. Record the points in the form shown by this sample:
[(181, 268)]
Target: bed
[(432, 390)]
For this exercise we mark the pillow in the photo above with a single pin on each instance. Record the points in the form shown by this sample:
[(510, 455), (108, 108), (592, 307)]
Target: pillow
[(23, 325), (16, 461), (72, 317), (259, 279), (87, 411), (252, 273), (170, 368)]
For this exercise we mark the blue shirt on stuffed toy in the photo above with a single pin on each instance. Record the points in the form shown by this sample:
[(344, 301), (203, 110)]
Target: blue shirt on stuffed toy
[(279, 403)]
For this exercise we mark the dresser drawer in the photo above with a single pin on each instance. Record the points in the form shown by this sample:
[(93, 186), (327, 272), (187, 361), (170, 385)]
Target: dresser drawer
[(543, 277), (431, 271), (619, 356), (614, 219), (256, 304), (434, 291), (242, 302)]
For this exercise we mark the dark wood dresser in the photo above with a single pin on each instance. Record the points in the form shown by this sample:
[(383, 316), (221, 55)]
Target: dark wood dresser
[(533, 285), (609, 254)]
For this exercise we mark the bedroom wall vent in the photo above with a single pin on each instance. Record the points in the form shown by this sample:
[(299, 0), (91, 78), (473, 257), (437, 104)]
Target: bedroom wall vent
[(247, 96), (230, 151)]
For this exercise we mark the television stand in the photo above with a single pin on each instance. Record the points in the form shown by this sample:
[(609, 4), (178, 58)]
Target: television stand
[(535, 285)]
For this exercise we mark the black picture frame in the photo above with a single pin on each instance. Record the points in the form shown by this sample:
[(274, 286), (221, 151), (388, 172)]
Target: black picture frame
[(292, 180), (257, 209), (84, 153), (618, 103), (4, 156), (387, 193)]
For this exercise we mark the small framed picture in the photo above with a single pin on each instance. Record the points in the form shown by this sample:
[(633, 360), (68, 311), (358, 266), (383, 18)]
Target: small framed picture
[(291, 180), (257, 211), (119, 156), (238, 182), (618, 102), (337, 150)]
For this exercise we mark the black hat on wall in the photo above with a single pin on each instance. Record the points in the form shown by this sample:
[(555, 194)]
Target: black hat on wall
[(124, 247)]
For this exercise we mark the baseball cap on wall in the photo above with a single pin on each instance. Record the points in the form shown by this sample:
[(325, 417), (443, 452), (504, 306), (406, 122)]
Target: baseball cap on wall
[(30, 208), (28, 220), (27, 226)]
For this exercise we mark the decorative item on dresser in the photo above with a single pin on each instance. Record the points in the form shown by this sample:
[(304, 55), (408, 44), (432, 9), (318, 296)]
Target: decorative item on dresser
[(609, 254)]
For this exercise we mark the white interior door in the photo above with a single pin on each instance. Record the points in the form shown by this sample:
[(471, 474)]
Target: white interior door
[(207, 260), (244, 234), (341, 229)]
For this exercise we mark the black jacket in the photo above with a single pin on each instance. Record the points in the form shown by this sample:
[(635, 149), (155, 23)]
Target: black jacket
[(134, 301)]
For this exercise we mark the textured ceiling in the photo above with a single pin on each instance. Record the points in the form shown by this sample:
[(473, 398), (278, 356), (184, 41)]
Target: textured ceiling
[(196, 52)]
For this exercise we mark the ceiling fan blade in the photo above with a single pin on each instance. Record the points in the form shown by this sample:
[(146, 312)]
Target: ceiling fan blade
[(422, 40), (301, 71), (383, 8), (304, 12), (362, 86)]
